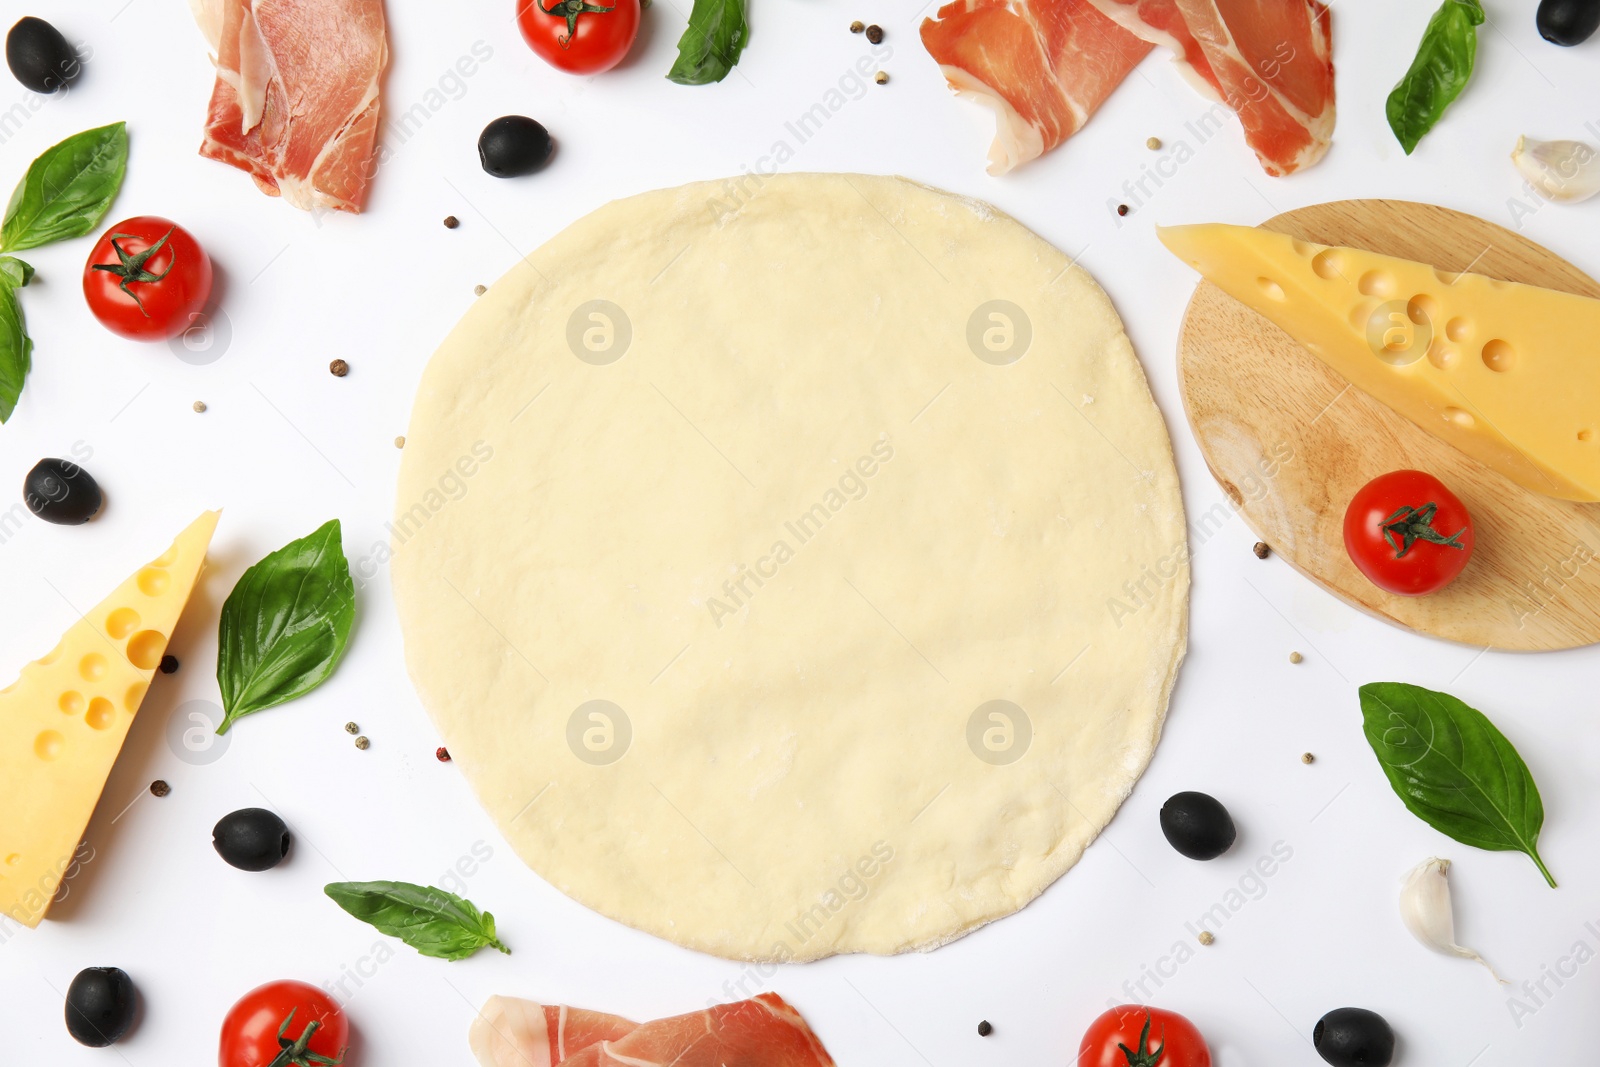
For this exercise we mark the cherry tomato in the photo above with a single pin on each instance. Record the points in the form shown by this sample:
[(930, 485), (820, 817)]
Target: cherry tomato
[(1131, 1036), (577, 36), (1407, 533), (259, 1032), (147, 279)]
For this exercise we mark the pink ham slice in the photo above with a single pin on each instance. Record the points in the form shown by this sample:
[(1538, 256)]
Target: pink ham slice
[(1271, 61), (519, 1033), (763, 1032), (1043, 66), (296, 99)]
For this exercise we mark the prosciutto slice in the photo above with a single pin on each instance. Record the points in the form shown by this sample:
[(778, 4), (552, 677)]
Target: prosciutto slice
[(1043, 66), (763, 1032), (296, 100), (1271, 61)]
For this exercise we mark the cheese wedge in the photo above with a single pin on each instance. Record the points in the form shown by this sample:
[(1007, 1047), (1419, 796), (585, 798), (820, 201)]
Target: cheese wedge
[(63, 721), (1507, 373)]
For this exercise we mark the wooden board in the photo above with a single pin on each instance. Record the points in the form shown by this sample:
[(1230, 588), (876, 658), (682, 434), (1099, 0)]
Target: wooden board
[(1290, 441)]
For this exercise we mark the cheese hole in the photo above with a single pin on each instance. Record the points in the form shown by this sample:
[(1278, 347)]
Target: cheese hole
[(1586, 435), (1460, 418), (1458, 329), (1440, 354), (1328, 264), (153, 581), (121, 623), (1445, 276), (1499, 356), (93, 667), (1299, 246), (101, 713), (145, 648), (71, 702), (135, 695), (48, 745), (168, 558), (1361, 316), (1423, 310), (13, 859), (1376, 283), (1271, 288)]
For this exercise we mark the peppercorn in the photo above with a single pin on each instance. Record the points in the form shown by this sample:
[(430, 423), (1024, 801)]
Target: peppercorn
[(169, 664), (442, 754), (882, 77), (1122, 209), (159, 788), (351, 728), (1308, 758), (451, 222), (362, 743), (984, 1029), (857, 26), (875, 33), (338, 368), (1207, 937), (399, 442), (1295, 657), (200, 406), (479, 290), (1261, 550), (1153, 143)]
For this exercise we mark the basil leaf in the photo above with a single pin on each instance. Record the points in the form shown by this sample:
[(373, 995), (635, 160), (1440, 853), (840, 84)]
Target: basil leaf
[(16, 347), (1453, 769), (67, 190), (14, 272), (711, 45), (285, 625), (1439, 72), (432, 921)]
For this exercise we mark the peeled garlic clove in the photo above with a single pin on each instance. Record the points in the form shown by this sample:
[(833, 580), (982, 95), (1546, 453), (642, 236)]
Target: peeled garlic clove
[(1562, 171), (1428, 913)]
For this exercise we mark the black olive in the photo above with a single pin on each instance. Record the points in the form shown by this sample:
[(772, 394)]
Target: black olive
[(39, 57), (251, 839), (1197, 826), (512, 146), (100, 1006), (60, 491), (1568, 22), (1354, 1037)]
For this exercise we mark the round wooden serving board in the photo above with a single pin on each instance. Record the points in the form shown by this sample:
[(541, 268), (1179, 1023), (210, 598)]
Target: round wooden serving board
[(1291, 441)]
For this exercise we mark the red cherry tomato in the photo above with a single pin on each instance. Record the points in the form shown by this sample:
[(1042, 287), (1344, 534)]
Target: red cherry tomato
[(578, 36), (250, 1033), (1407, 533), (147, 279), (1131, 1036)]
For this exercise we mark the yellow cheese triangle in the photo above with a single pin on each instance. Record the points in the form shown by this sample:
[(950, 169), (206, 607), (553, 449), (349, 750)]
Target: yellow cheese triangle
[(1505, 372), (63, 721)]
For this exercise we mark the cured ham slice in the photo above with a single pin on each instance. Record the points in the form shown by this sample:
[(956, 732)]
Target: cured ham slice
[(1043, 66), (296, 100), (763, 1032), (1271, 61), (519, 1033)]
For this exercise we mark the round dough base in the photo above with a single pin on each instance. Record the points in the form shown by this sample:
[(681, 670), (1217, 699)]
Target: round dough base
[(795, 571)]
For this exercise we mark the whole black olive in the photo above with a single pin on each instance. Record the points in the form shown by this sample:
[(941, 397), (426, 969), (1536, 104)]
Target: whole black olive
[(39, 57), (1354, 1037), (251, 839), (60, 491), (100, 1006), (1198, 826), (1568, 22), (512, 146)]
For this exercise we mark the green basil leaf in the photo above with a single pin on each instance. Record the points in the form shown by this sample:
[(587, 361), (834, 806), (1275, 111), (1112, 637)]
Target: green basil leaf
[(67, 190), (14, 272), (1439, 72), (709, 48), (16, 348), (1453, 769), (285, 625), (432, 921)]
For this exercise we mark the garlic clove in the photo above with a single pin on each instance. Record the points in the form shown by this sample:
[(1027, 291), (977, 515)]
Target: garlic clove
[(1426, 908), (1564, 172)]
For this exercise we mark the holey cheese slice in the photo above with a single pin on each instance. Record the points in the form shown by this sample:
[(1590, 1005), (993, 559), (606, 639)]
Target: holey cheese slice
[(63, 721), (1507, 373)]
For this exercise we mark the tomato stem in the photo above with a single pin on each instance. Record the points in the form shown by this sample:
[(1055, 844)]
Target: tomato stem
[(1411, 524), (570, 10), (1144, 1057), (131, 269), (294, 1053)]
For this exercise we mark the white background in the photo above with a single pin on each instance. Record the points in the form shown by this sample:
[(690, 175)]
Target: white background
[(285, 446)]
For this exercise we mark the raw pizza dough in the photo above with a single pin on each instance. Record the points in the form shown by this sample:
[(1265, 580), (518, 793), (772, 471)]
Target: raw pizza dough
[(770, 602)]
